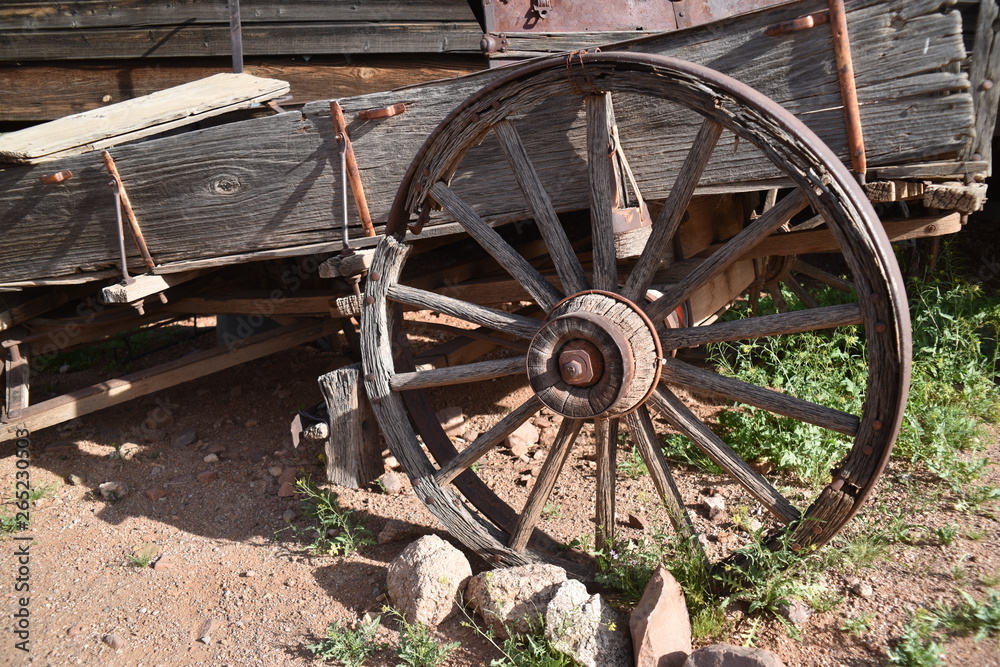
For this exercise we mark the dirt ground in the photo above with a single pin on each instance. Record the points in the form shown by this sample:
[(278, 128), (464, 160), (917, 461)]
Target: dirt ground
[(224, 562)]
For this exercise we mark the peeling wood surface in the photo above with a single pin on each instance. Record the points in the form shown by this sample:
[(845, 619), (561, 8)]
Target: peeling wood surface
[(215, 195)]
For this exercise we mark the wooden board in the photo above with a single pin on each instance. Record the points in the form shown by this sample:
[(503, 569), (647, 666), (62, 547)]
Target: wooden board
[(142, 117), (116, 13), (46, 91), (258, 40), (267, 185)]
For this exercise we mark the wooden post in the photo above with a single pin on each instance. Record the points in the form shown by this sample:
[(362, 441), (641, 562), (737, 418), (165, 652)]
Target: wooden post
[(354, 450), (16, 372)]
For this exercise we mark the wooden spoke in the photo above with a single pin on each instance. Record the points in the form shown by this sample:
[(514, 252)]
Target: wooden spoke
[(807, 299), (541, 290), (825, 277), (774, 289), (678, 414), (487, 441), (553, 465), (476, 334), (812, 319), (491, 318), (474, 372), (753, 234), (644, 439), (563, 256), (670, 217), (685, 375), (606, 445), (603, 190)]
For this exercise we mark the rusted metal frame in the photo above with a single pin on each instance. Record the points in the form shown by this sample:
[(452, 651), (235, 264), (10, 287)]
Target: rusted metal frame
[(353, 174), (126, 205), (381, 112)]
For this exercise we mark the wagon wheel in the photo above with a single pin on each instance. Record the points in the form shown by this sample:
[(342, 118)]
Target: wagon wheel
[(602, 353)]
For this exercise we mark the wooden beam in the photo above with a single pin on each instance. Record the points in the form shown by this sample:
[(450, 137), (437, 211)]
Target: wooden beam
[(194, 40), (112, 392), (256, 302), (143, 285), (354, 449), (81, 14), (45, 91)]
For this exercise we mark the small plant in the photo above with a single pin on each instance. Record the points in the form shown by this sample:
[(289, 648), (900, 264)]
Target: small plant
[(350, 647), (9, 523), (632, 466), (920, 644), (417, 648), (980, 619), (120, 453), (521, 650), (628, 566), (551, 511), (143, 556), (975, 534), (916, 647), (340, 532), (857, 627), (946, 534)]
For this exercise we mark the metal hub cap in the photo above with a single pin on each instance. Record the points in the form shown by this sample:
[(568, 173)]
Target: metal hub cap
[(597, 355)]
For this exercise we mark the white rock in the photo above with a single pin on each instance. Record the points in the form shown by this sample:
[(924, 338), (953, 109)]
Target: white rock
[(726, 655), (451, 420), (516, 597), (585, 628), (424, 581), (523, 437), (113, 490)]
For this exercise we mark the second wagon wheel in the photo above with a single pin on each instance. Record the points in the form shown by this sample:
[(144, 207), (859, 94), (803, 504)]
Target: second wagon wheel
[(599, 355)]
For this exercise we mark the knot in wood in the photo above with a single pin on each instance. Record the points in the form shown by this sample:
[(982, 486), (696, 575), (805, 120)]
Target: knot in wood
[(226, 185)]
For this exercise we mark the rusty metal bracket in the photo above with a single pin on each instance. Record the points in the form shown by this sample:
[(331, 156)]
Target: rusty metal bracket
[(581, 82), (542, 7), (382, 112), (125, 204), (58, 177), (353, 174), (801, 23), (491, 44)]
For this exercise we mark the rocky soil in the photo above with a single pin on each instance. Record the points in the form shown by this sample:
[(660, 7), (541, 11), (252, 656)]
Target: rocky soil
[(200, 467)]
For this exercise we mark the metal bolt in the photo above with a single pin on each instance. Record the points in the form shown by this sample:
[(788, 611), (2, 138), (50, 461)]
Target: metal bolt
[(867, 450), (374, 275), (580, 366), (987, 84), (880, 327), (877, 425), (369, 377), (875, 297), (369, 300)]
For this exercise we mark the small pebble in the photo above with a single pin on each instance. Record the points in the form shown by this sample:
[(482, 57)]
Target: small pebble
[(210, 458)]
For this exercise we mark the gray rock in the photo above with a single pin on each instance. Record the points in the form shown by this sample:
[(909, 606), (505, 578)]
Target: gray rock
[(211, 458), (113, 491), (585, 628), (289, 516), (392, 484), (862, 590), (726, 655), (184, 438), (796, 611), (660, 626), (74, 480), (113, 640), (716, 507), (514, 598), (316, 431), (523, 437), (424, 581)]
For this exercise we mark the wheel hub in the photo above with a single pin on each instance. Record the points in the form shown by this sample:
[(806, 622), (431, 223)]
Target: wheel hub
[(596, 355)]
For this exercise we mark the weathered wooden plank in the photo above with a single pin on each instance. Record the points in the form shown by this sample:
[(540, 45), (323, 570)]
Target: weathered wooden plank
[(46, 91), (266, 183), (194, 40), (134, 119), (354, 449), (141, 383), (982, 75), (143, 285), (123, 13)]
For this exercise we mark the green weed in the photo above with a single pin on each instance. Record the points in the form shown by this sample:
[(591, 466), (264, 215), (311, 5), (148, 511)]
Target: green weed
[(632, 466), (417, 648), (551, 511), (946, 534), (350, 647), (921, 643), (520, 650), (857, 627), (143, 556), (340, 531)]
